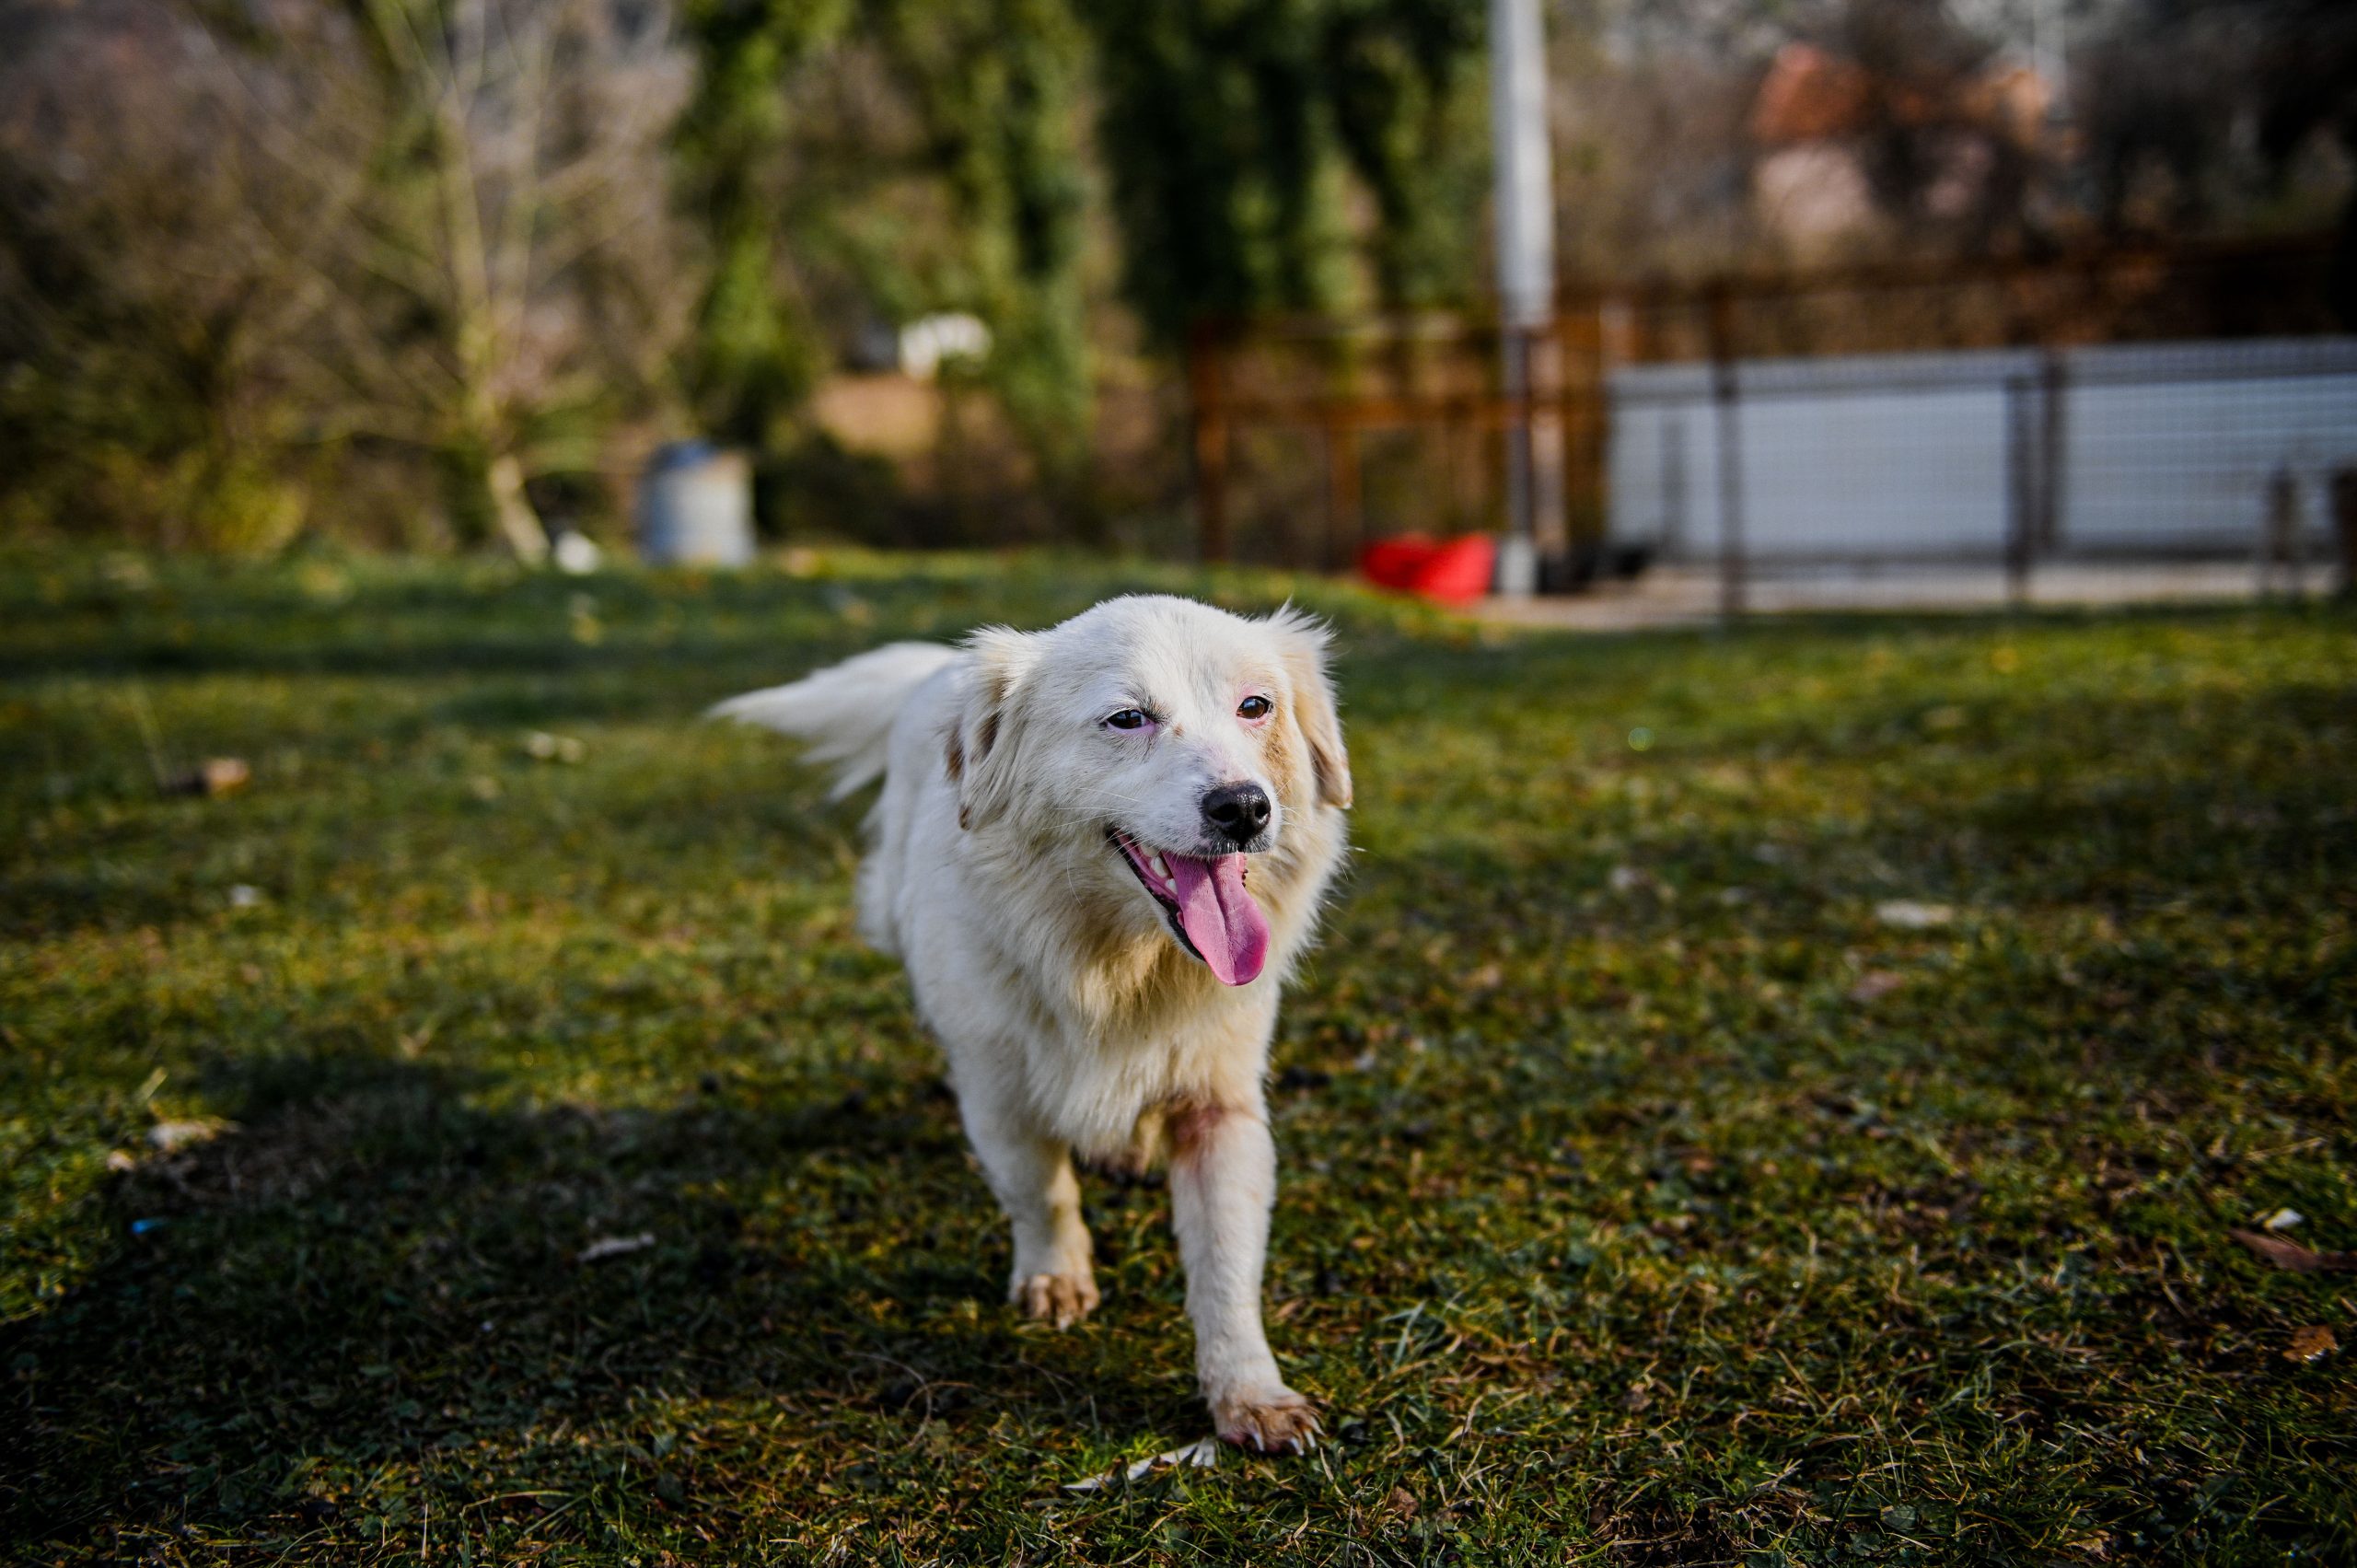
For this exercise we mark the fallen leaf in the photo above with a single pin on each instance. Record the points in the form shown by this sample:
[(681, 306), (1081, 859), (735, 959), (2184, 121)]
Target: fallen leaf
[(615, 1247), (1400, 1505), (1200, 1455), (2308, 1344), (214, 776), (2291, 1255), (1874, 984)]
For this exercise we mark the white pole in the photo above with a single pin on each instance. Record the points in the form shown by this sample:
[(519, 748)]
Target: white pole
[(1526, 235)]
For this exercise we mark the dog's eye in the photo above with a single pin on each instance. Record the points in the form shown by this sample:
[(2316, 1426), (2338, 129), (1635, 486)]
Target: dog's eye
[(1130, 718), (1254, 708)]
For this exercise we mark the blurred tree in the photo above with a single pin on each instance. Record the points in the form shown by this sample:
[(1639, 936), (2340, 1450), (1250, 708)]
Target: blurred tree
[(434, 227), (861, 166), (753, 356), (2198, 111), (149, 322), (1407, 82), (516, 159), (1949, 156), (1227, 128), (999, 86)]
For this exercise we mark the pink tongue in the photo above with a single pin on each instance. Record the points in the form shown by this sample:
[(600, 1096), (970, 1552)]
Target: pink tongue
[(1220, 918)]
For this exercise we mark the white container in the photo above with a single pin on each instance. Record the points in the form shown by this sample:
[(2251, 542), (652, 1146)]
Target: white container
[(695, 507)]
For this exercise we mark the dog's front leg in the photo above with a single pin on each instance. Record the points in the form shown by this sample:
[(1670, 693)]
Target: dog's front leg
[(1222, 1182), (1032, 1177)]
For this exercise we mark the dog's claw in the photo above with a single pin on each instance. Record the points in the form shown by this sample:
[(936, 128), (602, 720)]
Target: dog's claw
[(1277, 1422), (1061, 1300)]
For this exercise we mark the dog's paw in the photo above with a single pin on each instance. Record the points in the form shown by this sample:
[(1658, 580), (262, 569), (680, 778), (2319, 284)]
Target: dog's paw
[(1266, 1421), (1061, 1299)]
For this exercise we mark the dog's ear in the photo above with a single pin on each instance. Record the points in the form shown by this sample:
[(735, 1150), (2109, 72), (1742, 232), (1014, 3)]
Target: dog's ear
[(986, 739), (1304, 640)]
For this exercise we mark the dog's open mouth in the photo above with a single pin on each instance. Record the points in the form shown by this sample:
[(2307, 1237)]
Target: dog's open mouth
[(1204, 899)]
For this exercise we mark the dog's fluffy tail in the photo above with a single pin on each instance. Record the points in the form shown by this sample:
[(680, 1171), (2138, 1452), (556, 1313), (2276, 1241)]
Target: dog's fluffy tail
[(845, 712)]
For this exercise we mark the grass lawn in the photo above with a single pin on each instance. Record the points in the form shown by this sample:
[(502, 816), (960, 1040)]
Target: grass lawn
[(1769, 1097)]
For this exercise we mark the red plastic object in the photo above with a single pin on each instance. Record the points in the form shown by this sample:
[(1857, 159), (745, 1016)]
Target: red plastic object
[(1450, 570)]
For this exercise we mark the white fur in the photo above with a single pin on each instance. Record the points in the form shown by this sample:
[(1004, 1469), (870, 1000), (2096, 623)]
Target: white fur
[(1073, 1018)]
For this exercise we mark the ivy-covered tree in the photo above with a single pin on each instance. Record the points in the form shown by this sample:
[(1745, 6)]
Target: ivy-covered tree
[(1230, 128), (1000, 87), (1407, 82), (1231, 134), (753, 357)]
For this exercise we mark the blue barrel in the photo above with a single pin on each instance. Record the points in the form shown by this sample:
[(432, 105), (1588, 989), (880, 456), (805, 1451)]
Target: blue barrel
[(695, 506)]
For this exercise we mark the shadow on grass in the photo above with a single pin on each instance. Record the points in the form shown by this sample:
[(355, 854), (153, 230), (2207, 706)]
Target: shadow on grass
[(370, 1269)]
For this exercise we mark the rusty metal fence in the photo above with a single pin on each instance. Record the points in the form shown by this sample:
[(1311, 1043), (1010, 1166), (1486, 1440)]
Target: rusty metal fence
[(1984, 430)]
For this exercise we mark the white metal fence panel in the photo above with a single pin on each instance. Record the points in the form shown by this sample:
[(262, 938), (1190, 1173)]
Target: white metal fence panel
[(2166, 450)]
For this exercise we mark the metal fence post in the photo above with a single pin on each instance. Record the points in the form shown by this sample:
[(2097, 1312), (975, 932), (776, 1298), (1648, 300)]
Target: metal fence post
[(2054, 389), (1673, 486), (1518, 557), (2344, 526), (2280, 549), (1343, 525), (2021, 488), (1723, 392)]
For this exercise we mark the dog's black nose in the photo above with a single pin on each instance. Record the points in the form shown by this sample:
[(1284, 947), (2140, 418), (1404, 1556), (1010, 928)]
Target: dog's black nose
[(1237, 812)]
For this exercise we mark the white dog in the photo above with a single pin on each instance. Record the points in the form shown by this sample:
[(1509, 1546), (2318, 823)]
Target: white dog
[(1099, 851)]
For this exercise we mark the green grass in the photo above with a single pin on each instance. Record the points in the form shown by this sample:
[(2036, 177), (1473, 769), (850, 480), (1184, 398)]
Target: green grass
[(1648, 1197)]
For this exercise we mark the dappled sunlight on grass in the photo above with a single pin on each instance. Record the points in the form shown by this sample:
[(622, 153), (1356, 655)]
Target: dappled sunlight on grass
[(1763, 1097)]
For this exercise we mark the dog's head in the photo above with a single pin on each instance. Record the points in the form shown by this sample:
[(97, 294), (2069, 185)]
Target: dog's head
[(1178, 744)]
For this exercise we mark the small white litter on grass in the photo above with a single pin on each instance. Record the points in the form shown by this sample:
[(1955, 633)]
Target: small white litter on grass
[(244, 896), (1906, 915), (577, 554), (166, 1137), (614, 1246), (1199, 1455), (2282, 1219)]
